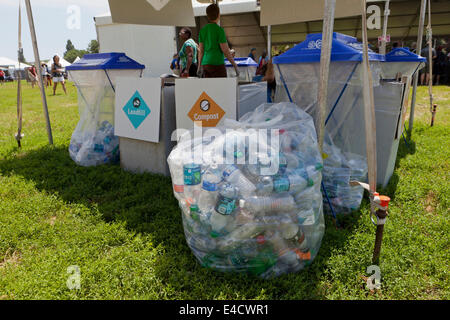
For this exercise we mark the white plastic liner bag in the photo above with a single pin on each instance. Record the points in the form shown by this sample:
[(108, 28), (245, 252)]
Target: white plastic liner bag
[(249, 192)]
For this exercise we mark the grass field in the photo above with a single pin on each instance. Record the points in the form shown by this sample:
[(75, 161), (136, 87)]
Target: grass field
[(124, 230)]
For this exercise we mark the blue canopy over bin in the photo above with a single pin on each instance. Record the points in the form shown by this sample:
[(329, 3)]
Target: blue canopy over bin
[(110, 60)]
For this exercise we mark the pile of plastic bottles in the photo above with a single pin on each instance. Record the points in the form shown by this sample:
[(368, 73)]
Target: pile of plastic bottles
[(91, 148), (339, 169), (251, 204)]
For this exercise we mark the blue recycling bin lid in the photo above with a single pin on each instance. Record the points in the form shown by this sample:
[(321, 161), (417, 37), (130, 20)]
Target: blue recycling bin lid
[(403, 55), (102, 61), (344, 48), (242, 62)]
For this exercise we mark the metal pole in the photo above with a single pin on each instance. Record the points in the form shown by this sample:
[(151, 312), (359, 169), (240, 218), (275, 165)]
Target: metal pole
[(19, 134), (387, 12), (369, 108), (325, 57), (269, 42), (430, 55), (37, 63), (423, 6)]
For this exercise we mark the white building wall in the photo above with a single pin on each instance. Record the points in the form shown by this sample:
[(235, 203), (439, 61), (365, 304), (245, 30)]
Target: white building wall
[(153, 46)]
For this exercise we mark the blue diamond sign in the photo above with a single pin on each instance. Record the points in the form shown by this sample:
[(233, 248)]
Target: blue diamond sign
[(136, 110)]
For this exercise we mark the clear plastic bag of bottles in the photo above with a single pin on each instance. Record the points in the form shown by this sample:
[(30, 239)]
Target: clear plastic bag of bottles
[(339, 169), (249, 192), (95, 146)]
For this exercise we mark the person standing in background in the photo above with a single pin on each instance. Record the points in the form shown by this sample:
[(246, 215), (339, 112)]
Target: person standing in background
[(175, 65), (2, 76), (44, 74), (57, 75), (214, 47), (425, 76), (32, 74), (252, 54), (261, 63), (439, 65), (188, 54)]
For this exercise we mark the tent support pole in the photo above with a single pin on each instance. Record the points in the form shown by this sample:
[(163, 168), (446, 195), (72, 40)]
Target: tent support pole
[(269, 42), (37, 63), (369, 108), (423, 6), (430, 56), (387, 12), (19, 83), (325, 57)]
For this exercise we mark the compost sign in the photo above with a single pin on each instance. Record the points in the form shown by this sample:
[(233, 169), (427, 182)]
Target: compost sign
[(136, 110), (207, 111), (205, 102)]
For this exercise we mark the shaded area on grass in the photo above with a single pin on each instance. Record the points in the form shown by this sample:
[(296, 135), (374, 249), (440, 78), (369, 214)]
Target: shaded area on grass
[(146, 204)]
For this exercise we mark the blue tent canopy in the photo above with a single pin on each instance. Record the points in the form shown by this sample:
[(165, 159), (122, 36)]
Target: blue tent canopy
[(242, 62), (403, 55), (103, 61), (344, 48)]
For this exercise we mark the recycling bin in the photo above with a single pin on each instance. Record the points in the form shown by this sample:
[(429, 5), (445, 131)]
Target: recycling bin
[(246, 66), (93, 142), (297, 73)]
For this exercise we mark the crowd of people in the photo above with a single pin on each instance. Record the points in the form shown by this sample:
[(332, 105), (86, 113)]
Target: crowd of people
[(440, 64), (52, 75)]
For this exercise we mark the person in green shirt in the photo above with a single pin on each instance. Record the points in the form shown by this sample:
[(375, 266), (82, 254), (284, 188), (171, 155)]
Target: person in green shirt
[(213, 47), (188, 54)]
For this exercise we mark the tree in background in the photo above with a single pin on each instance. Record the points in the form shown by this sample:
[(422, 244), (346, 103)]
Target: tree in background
[(93, 46), (72, 53)]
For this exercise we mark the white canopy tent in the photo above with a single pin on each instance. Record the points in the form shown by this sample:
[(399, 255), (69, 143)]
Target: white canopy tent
[(12, 64)]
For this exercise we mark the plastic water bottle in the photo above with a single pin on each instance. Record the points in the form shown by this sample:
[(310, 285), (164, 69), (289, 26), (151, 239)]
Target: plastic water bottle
[(233, 239), (210, 188), (226, 203), (282, 164), (225, 206), (192, 179), (233, 175), (268, 204)]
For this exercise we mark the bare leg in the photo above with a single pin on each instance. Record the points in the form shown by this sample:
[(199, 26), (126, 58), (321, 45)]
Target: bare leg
[(422, 78), (64, 87), (428, 79), (55, 84)]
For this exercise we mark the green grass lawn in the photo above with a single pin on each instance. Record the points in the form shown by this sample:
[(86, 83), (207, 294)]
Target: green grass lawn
[(124, 230)]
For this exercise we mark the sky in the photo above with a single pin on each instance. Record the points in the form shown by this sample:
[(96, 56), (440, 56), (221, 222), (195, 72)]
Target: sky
[(55, 22)]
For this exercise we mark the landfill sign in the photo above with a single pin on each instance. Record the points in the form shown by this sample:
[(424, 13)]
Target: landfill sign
[(207, 111), (136, 110)]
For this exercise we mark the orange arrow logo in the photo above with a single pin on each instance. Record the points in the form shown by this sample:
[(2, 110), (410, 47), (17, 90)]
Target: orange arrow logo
[(207, 111)]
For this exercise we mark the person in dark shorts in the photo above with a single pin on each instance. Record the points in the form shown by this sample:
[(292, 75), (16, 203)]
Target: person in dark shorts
[(439, 65), (214, 47), (425, 75), (188, 54)]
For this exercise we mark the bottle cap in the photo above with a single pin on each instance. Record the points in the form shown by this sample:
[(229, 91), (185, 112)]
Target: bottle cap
[(260, 239), (384, 201)]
